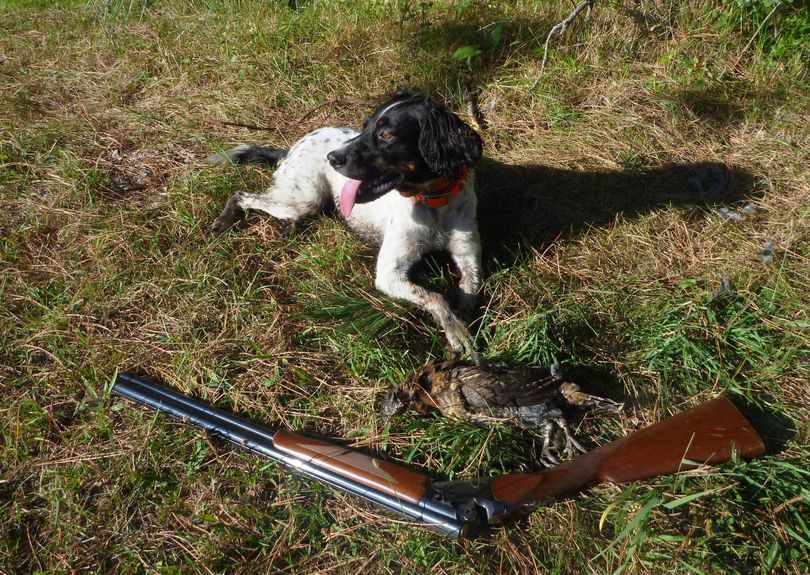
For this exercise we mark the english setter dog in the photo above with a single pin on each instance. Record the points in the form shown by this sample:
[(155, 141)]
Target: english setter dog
[(406, 182)]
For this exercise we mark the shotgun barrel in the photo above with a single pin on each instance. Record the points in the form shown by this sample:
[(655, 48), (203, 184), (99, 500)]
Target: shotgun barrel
[(395, 488)]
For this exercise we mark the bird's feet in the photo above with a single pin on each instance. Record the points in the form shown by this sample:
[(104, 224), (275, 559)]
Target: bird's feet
[(549, 433)]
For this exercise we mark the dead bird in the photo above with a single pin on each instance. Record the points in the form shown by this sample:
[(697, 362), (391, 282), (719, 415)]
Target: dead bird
[(530, 397)]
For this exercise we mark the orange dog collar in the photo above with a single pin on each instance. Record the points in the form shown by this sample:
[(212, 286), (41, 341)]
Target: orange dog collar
[(442, 191)]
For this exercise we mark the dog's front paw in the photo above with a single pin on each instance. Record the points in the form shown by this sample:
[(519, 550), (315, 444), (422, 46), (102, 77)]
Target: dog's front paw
[(460, 340), (221, 225), (231, 213)]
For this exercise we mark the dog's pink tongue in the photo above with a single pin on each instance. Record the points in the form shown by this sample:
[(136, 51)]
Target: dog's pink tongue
[(348, 195)]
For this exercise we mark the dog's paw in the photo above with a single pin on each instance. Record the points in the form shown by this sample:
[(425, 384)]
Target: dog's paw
[(222, 224), (231, 214), (460, 340), (291, 230)]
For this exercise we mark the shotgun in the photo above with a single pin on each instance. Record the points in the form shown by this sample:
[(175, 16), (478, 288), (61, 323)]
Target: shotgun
[(707, 434)]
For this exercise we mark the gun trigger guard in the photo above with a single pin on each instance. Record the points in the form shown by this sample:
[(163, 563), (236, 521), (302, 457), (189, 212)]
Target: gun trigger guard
[(494, 511), (472, 497)]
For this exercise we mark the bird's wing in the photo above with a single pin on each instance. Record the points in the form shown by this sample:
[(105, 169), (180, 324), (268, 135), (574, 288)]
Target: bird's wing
[(506, 387)]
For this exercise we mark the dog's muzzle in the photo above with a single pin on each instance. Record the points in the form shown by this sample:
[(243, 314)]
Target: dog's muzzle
[(340, 158)]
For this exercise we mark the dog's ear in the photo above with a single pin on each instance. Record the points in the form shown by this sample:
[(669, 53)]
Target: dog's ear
[(446, 142)]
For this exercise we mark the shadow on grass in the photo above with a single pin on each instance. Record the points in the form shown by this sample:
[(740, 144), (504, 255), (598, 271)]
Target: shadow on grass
[(775, 428), (534, 205)]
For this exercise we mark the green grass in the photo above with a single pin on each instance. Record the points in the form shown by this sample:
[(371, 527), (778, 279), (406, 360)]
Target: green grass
[(609, 262)]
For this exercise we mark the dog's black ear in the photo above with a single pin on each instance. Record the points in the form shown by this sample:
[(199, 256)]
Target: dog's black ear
[(447, 143)]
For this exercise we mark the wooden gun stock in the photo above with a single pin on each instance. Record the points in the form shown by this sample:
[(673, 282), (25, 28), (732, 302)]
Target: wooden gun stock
[(707, 434)]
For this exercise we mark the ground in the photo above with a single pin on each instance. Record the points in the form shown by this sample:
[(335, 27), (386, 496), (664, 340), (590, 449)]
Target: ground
[(654, 241)]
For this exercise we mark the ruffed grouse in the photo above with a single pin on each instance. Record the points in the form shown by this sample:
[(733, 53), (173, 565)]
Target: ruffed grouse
[(530, 397)]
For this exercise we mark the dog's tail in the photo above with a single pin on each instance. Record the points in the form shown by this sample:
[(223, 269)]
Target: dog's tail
[(248, 154)]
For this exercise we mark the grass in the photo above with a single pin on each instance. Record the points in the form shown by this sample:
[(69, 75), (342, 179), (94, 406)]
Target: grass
[(607, 256)]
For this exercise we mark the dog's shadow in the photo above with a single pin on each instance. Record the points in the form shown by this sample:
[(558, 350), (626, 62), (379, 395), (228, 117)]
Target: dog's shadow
[(534, 205)]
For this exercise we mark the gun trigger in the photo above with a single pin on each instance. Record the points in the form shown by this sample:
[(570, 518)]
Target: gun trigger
[(493, 510)]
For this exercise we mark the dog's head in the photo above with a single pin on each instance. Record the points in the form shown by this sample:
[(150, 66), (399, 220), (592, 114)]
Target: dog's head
[(409, 142)]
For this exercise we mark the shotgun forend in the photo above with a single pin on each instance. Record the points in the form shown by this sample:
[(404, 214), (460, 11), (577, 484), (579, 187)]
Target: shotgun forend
[(708, 433)]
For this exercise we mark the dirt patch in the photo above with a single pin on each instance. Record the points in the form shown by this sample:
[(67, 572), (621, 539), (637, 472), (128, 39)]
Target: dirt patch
[(140, 171)]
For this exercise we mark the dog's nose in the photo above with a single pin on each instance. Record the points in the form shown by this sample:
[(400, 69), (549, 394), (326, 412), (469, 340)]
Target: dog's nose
[(336, 159)]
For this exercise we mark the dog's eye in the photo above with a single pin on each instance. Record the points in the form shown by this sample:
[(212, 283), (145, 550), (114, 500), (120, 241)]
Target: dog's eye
[(386, 135)]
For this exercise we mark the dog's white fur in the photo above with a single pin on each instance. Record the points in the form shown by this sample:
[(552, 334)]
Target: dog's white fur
[(404, 229)]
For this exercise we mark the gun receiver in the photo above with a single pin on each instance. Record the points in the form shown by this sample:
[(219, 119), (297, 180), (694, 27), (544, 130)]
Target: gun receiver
[(707, 434)]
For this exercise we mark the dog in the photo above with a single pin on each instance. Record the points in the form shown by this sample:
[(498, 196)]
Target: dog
[(405, 182)]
